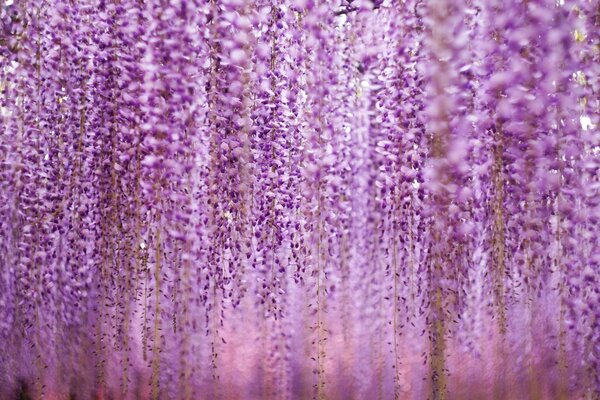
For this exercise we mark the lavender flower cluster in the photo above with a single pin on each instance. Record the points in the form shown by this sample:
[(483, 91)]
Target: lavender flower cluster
[(295, 199)]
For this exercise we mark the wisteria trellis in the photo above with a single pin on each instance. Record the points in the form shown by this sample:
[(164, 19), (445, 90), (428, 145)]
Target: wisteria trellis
[(296, 199)]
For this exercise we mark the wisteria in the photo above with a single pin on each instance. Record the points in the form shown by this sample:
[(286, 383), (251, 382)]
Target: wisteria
[(299, 199)]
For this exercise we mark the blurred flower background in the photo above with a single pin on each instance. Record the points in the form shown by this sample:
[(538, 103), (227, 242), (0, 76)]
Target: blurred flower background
[(299, 199)]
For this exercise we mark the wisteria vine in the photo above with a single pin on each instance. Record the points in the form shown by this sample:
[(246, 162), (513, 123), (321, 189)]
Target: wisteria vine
[(293, 199)]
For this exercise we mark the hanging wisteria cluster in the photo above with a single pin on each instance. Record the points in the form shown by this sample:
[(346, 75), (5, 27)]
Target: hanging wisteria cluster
[(299, 199)]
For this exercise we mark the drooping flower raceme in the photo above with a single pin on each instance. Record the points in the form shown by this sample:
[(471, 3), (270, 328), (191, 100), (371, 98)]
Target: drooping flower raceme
[(299, 199)]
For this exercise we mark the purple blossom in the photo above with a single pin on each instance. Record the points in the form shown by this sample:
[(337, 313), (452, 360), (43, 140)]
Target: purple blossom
[(299, 199)]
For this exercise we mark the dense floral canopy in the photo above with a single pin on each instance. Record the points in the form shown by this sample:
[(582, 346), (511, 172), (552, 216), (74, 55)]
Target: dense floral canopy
[(296, 199)]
